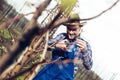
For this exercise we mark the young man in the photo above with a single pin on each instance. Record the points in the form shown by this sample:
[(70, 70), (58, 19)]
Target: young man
[(70, 50)]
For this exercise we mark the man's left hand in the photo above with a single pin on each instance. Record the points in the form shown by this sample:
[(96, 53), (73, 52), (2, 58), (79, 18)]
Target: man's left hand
[(81, 44)]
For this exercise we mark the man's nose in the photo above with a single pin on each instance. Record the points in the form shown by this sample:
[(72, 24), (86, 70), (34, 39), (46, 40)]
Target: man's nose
[(71, 32)]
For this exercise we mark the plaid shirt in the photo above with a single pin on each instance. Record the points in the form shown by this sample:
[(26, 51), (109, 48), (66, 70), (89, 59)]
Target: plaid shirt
[(86, 56), (62, 70)]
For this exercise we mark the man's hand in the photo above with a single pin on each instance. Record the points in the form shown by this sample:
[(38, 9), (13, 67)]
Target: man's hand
[(62, 45), (81, 44)]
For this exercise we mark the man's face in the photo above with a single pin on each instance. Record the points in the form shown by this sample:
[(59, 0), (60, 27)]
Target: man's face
[(73, 31)]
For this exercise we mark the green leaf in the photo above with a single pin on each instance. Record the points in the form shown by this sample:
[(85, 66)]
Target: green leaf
[(67, 6)]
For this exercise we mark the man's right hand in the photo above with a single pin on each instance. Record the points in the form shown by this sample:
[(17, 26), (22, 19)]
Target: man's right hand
[(62, 45)]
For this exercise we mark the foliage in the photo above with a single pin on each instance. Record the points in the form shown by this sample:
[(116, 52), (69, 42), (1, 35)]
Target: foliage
[(20, 78), (67, 6), (5, 33)]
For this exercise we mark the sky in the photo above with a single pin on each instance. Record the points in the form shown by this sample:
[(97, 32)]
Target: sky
[(102, 33)]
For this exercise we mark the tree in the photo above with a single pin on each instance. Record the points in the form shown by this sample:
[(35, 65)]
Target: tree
[(34, 38)]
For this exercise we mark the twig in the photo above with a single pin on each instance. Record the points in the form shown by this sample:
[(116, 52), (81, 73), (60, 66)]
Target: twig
[(29, 33), (101, 12), (43, 62)]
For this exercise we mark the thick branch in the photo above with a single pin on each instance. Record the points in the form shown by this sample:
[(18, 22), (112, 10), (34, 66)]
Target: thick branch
[(47, 61), (33, 73), (29, 33), (43, 62)]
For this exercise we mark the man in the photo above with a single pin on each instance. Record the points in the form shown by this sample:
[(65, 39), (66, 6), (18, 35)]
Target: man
[(70, 50)]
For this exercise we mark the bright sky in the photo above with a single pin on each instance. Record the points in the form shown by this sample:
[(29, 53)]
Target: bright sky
[(102, 33)]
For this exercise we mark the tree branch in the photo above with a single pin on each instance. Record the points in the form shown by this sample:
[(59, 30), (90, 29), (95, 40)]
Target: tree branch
[(101, 12), (30, 32), (6, 22)]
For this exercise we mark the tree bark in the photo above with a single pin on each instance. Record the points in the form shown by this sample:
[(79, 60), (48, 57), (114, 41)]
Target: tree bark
[(30, 32)]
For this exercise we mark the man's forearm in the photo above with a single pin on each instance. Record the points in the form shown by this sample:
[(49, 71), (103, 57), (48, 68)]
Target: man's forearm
[(87, 58)]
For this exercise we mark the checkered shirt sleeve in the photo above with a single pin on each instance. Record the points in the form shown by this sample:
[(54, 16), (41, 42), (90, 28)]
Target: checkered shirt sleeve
[(87, 57)]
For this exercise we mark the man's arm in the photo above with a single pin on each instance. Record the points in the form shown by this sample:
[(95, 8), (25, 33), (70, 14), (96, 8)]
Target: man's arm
[(87, 57), (52, 42)]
